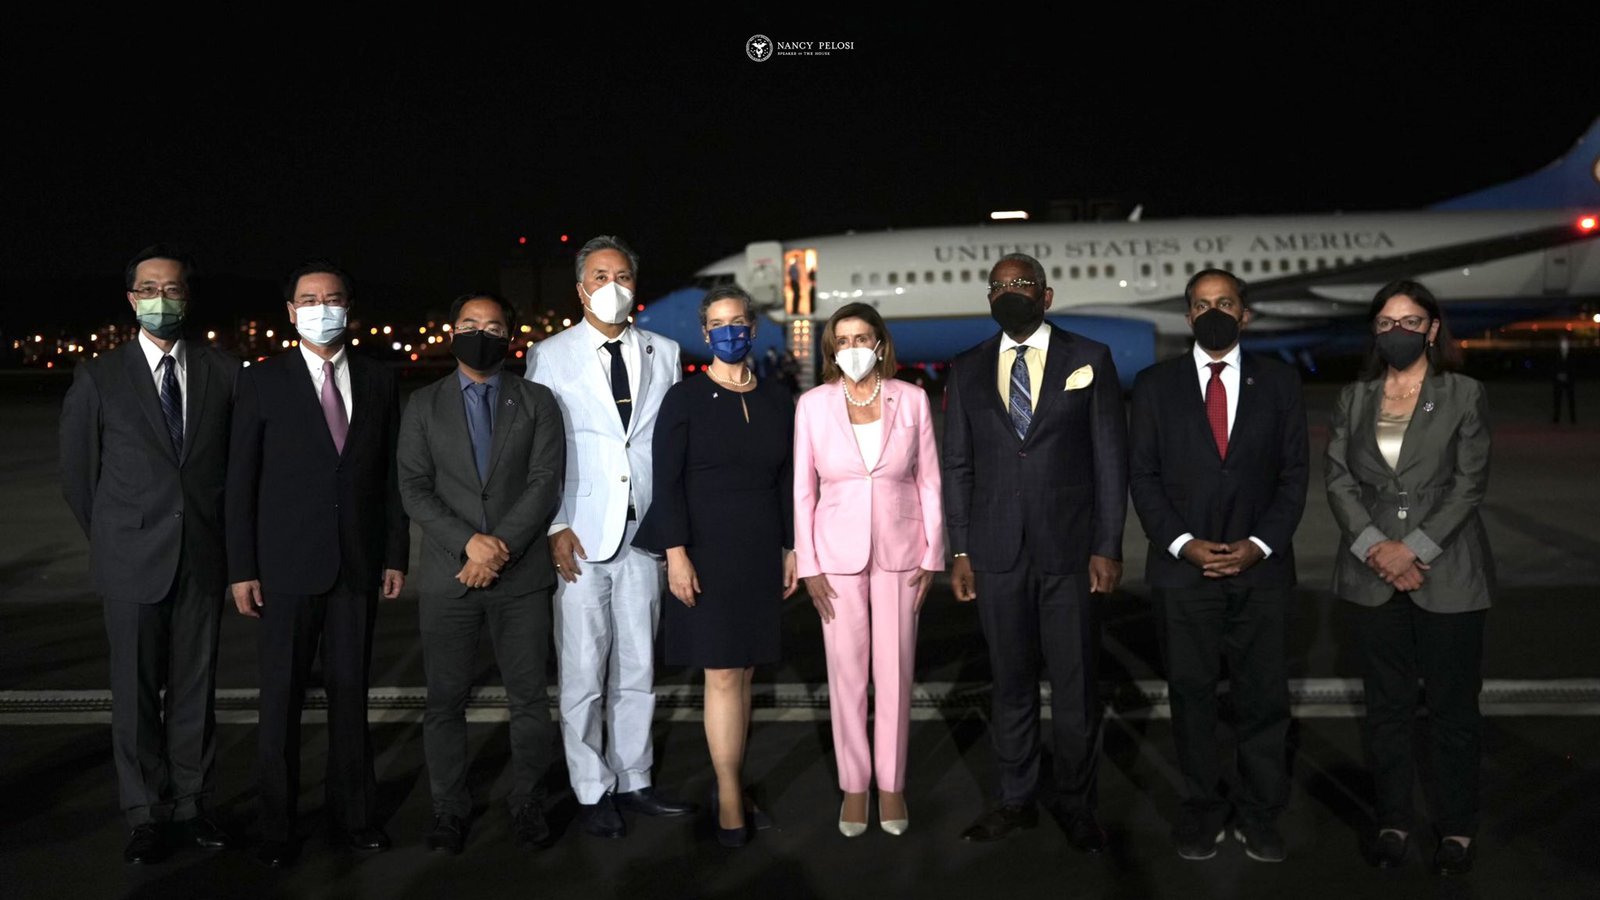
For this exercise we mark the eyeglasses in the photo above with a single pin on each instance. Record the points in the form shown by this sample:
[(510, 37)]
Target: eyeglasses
[(329, 300), (1409, 323), (494, 330), (171, 292), (996, 287)]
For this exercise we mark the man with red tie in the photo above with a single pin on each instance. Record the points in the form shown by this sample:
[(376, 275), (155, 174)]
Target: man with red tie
[(1218, 479), (315, 532)]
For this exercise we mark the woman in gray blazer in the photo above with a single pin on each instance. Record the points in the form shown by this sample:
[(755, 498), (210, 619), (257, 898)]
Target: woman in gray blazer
[(1408, 463)]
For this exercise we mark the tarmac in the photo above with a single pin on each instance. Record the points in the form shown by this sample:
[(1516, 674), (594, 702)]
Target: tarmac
[(61, 833)]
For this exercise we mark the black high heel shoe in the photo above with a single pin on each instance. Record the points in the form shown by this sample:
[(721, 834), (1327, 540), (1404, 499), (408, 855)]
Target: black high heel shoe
[(727, 837)]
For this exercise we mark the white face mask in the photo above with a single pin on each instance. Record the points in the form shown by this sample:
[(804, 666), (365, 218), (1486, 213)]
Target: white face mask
[(857, 362), (611, 303), (321, 324)]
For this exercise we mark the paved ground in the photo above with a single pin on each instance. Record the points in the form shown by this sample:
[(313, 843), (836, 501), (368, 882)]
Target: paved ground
[(62, 835)]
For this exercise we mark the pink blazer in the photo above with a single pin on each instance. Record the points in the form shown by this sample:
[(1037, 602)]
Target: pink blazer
[(845, 515)]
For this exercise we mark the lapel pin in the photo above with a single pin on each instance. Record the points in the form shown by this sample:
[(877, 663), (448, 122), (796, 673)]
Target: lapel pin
[(1250, 381), (1427, 407), (713, 395), (649, 348)]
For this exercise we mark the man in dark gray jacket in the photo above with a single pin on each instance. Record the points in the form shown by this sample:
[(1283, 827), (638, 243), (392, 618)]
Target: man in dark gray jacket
[(144, 454), (480, 459)]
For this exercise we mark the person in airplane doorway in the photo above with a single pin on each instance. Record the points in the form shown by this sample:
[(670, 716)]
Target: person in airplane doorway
[(316, 533), (869, 534), (1407, 468), (1035, 494), (609, 377), (480, 460), (1217, 472), (723, 514), (144, 456)]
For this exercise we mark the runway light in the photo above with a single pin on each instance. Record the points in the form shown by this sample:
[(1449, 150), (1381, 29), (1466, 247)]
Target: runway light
[(211, 335), (1587, 223), (1000, 215)]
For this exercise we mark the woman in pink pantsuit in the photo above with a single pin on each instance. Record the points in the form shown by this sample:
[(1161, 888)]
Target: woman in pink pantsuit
[(869, 534)]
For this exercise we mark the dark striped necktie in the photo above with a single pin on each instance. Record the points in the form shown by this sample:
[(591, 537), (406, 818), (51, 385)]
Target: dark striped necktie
[(1021, 400), (172, 402)]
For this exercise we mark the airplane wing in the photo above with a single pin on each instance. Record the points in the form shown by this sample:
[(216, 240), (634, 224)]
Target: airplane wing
[(1303, 285)]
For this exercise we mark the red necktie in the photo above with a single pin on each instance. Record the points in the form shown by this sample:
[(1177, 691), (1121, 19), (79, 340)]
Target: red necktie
[(1217, 408)]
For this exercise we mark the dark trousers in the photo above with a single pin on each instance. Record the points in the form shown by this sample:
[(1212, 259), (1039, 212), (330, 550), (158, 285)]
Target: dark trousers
[(1027, 615), (1200, 627), (292, 626), (164, 746), (519, 627), (1401, 641)]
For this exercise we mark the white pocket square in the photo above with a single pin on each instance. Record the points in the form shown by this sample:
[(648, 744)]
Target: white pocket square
[(1082, 378)]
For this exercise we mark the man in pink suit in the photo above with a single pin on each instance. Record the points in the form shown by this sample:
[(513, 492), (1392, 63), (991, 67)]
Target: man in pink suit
[(869, 534)]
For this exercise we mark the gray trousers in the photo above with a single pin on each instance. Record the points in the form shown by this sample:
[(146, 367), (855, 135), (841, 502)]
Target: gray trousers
[(519, 628), (164, 747), (605, 644)]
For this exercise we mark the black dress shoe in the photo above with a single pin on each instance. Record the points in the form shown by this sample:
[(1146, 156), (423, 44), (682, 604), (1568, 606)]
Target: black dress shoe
[(446, 834), (1262, 843), (1001, 821), (146, 846), (530, 826), (647, 802), (275, 854), (1454, 858), (1085, 834), (204, 832), (603, 820), (1196, 840), (1389, 849), (370, 839)]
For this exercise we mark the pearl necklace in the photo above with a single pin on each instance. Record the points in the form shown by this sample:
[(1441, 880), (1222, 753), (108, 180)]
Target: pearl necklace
[(877, 386), (749, 376)]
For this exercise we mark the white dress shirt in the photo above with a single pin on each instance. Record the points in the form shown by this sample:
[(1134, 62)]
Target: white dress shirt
[(180, 362), (1230, 384), (341, 376)]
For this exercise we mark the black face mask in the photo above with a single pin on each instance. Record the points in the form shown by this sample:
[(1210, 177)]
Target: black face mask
[(1018, 314), (1215, 330), (1399, 347), (479, 350)]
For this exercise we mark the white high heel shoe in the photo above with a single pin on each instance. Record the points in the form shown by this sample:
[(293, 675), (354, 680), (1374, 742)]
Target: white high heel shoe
[(895, 827), (850, 829)]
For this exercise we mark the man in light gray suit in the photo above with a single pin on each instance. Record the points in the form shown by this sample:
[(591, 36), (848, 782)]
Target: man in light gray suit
[(480, 458), (144, 455), (609, 378)]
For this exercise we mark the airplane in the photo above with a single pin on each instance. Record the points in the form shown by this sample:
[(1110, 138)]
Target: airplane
[(1520, 248)]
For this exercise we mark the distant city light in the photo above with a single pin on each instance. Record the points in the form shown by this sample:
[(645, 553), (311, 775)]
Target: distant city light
[(1597, 318), (395, 345), (408, 348), (413, 357), (355, 342), (525, 329), (387, 329), (422, 329), (445, 327), (38, 339), (566, 323), (1004, 214), (285, 345), (563, 239), (211, 335), (269, 332), (374, 330)]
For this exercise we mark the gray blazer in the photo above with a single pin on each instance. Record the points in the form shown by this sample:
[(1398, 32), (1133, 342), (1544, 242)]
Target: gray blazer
[(440, 488), (1441, 479), (143, 506)]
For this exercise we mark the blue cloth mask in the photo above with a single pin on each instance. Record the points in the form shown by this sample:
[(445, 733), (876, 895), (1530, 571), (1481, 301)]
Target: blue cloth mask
[(730, 343)]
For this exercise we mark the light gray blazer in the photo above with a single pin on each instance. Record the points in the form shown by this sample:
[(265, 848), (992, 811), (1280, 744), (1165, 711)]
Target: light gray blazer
[(1441, 479)]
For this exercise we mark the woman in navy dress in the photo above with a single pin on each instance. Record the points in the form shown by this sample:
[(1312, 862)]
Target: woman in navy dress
[(723, 516)]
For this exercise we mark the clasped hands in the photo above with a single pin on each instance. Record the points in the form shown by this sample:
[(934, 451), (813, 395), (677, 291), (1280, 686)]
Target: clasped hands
[(1396, 564), (1221, 560), (486, 556)]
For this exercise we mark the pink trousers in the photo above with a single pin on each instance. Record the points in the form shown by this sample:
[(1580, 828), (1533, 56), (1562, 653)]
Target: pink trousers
[(873, 636)]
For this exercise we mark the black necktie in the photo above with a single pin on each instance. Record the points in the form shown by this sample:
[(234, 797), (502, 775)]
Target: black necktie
[(172, 403), (619, 383)]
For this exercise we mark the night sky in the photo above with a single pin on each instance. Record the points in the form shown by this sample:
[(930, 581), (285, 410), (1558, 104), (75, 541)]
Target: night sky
[(416, 162)]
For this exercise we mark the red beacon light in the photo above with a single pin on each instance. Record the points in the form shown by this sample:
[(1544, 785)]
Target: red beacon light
[(522, 239), (1587, 224)]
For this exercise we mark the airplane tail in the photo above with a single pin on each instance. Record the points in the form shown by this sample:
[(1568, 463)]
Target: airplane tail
[(1569, 182)]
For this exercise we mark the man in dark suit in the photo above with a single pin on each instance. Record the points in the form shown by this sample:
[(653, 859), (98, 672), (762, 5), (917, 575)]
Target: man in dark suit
[(315, 532), (1218, 477), (480, 460), (144, 451), (1035, 480)]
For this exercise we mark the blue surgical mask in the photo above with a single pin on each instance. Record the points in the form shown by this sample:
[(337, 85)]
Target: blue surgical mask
[(730, 343)]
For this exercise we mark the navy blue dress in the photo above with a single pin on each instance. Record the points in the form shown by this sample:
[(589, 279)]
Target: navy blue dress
[(724, 490)]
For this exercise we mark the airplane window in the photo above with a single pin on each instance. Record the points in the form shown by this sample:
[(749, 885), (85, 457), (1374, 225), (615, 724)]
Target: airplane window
[(855, 279), (1283, 265), (1247, 267), (894, 277), (1188, 268), (1144, 270), (1322, 263), (1074, 272), (946, 276), (1227, 265), (1094, 271), (1338, 260), (1166, 268), (1305, 264), (1111, 271), (966, 275), (927, 277), (872, 279), (1209, 265)]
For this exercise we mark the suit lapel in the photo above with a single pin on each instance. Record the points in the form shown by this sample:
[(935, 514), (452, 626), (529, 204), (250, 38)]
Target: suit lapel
[(891, 408), (450, 417), (989, 364), (646, 357), (144, 393), (508, 406), (1420, 426), (1364, 424), (1246, 412), (301, 386), (1193, 403), (1057, 363), (597, 379), (361, 401), (199, 382)]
